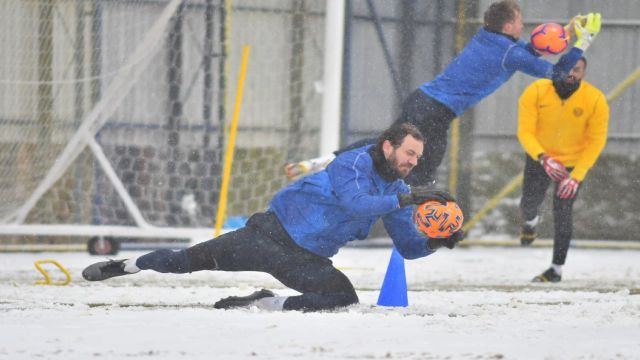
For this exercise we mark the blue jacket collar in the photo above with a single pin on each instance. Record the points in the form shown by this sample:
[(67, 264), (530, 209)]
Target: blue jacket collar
[(499, 33)]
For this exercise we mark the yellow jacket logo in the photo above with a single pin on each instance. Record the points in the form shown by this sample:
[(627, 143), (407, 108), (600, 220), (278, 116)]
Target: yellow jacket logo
[(578, 111)]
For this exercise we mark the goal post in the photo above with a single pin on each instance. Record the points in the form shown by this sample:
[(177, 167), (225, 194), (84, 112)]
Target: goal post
[(96, 118), (114, 112)]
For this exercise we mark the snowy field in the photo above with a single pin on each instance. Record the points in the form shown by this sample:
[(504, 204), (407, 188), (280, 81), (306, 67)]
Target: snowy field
[(470, 303)]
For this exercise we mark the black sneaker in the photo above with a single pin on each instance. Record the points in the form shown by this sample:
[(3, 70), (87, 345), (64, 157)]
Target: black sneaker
[(104, 270), (242, 301), (550, 275), (528, 235)]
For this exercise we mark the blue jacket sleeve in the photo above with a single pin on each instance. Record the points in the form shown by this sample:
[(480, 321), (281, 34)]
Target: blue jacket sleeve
[(351, 181), (409, 241), (520, 58)]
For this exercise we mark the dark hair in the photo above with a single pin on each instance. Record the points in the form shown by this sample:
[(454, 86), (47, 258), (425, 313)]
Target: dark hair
[(500, 13), (584, 60), (397, 132)]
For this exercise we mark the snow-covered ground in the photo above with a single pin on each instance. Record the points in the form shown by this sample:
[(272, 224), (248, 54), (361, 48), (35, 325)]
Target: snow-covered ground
[(470, 303)]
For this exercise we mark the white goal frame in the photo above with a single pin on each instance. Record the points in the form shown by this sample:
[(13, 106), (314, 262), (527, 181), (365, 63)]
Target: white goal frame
[(116, 92), (85, 136)]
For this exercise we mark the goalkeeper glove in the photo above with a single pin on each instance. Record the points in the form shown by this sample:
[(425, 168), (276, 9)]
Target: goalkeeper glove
[(449, 243), (568, 188), (570, 27), (422, 194), (554, 168), (586, 33)]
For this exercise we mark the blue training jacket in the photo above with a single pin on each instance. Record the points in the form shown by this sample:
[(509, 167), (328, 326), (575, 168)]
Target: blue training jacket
[(487, 62), (323, 211)]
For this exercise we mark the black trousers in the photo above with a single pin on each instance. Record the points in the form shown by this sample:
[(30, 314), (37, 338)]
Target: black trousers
[(433, 119), (534, 188), (263, 245)]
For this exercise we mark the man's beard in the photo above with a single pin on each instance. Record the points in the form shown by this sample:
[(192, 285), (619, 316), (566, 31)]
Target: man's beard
[(387, 168), (400, 170), (565, 89)]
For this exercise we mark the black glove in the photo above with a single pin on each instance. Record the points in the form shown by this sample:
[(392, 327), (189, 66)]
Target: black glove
[(449, 243), (422, 194)]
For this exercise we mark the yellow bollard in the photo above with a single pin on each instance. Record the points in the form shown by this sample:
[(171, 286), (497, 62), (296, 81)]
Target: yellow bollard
[(47, 279)]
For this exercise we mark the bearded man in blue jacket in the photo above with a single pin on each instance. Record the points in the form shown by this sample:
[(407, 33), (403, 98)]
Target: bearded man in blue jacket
[(307, 223), (489, 60)]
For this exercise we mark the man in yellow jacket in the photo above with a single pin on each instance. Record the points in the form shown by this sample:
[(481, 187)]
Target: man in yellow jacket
[(562, 126)]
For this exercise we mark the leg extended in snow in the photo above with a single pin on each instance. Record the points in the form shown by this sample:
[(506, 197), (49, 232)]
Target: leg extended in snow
[(262, 245)]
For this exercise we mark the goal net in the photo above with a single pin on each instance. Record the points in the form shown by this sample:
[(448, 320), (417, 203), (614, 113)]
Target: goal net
[(114, 113)]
